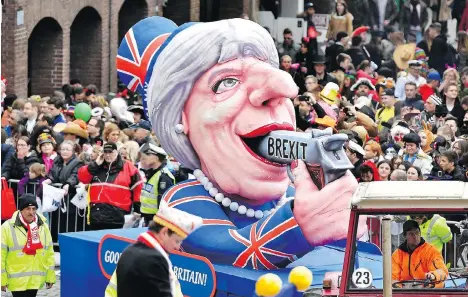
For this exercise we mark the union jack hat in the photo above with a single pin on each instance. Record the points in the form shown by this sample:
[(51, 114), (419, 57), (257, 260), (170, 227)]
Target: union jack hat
[(139, 50)]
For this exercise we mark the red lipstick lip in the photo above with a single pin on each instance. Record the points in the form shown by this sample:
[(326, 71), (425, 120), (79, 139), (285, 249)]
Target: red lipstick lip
[(261, 158), (264, 130)]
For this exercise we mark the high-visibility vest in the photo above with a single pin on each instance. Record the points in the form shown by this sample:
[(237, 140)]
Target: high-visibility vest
[(436, 232), (20, 271), (111, 289), (149, 193)]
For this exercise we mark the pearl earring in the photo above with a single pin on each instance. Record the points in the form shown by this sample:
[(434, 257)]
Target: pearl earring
[(179, 128)]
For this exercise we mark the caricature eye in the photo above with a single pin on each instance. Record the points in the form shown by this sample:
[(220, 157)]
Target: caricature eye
[(225, 85)]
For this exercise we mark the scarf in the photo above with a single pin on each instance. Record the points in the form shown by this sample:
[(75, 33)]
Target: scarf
[(150, 241), (49, 161), (33, 242)]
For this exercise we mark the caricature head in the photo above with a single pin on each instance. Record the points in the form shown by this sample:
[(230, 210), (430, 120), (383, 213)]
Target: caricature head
[(224, 88)]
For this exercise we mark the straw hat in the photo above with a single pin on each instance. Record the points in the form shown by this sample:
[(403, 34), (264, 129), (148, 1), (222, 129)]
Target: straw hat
[(71, 128), (326, 121), (403, 54)]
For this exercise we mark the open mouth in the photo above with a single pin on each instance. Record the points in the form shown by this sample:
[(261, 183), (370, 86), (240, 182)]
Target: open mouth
[(252, 140)]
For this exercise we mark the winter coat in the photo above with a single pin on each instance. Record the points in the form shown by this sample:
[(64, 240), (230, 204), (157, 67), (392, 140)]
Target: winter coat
[(423, 161), (290, 50), (357, 55), (331, 52), (339, 23), (464, 20), (462, 60), (405, 17), (437, 52), (15, 168), (425, 258), (20, 271), (142, 269), (31, 186), (7, 151), (391, 12), (112, 190), (457, 174), (360, 11), (65, 174)]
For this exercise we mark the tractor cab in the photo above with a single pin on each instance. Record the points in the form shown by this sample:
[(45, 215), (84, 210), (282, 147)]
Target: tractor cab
[(401, 220)]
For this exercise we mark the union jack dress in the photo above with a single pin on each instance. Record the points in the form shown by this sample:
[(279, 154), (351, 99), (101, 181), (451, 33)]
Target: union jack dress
[(233, 239)]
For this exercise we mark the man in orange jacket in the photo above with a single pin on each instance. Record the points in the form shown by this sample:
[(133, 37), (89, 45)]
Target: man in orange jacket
[(416, 259)]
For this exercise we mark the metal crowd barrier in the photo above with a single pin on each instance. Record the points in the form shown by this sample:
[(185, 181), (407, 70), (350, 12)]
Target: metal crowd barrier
[(451, 250), (55, 218), (79, 219)]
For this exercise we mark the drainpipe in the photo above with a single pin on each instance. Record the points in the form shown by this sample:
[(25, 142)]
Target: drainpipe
[(110, 47)]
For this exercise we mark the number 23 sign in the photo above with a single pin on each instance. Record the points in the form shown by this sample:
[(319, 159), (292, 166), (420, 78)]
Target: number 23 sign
[(362, 278)]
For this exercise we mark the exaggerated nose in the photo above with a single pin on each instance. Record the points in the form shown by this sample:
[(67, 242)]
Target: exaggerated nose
[(272, 86)]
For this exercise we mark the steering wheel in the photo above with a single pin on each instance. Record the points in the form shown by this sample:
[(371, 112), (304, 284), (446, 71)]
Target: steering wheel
[(415, 283)]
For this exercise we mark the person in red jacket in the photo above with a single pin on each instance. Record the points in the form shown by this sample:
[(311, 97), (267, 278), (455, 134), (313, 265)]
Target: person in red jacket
[(115, 185), (463, 26)]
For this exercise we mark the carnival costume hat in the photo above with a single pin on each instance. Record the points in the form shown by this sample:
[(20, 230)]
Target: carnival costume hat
[(330, 93), (150, 62), (70, 111), (403, 54), (360, 30), (137, 109), (180, 222), (362, 81), (71, 128), (37, 135)]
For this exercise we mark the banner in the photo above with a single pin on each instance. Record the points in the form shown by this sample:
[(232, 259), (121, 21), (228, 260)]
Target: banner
[(196, 274)]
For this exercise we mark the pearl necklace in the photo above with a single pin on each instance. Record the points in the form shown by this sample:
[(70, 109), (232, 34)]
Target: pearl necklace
[(234, 206)]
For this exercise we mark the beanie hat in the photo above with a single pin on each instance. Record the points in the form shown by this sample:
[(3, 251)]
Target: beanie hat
[(385, 72), (27, 200), (420, 56), (435, 99), (410, 225), (434, 75)]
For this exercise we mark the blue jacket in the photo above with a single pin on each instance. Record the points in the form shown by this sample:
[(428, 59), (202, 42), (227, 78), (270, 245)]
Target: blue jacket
[(233, 239), (7, 151)]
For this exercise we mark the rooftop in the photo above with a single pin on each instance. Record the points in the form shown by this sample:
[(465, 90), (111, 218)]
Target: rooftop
[(411, 194)]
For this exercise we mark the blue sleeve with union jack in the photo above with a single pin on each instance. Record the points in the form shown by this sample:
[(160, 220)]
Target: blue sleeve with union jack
[(229, 238)]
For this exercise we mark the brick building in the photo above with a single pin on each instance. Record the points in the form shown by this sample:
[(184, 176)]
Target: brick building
[(47, 42)]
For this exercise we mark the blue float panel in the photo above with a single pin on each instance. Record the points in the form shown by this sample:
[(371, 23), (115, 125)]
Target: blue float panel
[(82, 276)]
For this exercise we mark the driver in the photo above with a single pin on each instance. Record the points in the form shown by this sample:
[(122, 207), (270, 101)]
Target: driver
[(423, 260)]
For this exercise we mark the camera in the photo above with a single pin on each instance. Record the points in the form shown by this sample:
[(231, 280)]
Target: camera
[(303, 98)]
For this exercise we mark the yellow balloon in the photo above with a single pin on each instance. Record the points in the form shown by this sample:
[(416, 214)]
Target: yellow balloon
[(268, 285), (301, 277)]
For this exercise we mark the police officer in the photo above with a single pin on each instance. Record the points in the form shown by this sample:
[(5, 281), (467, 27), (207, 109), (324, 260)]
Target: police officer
[(158, 179)]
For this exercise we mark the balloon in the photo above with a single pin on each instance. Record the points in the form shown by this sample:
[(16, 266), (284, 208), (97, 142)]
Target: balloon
[(268, 285), (83, 112), (301, 277)]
